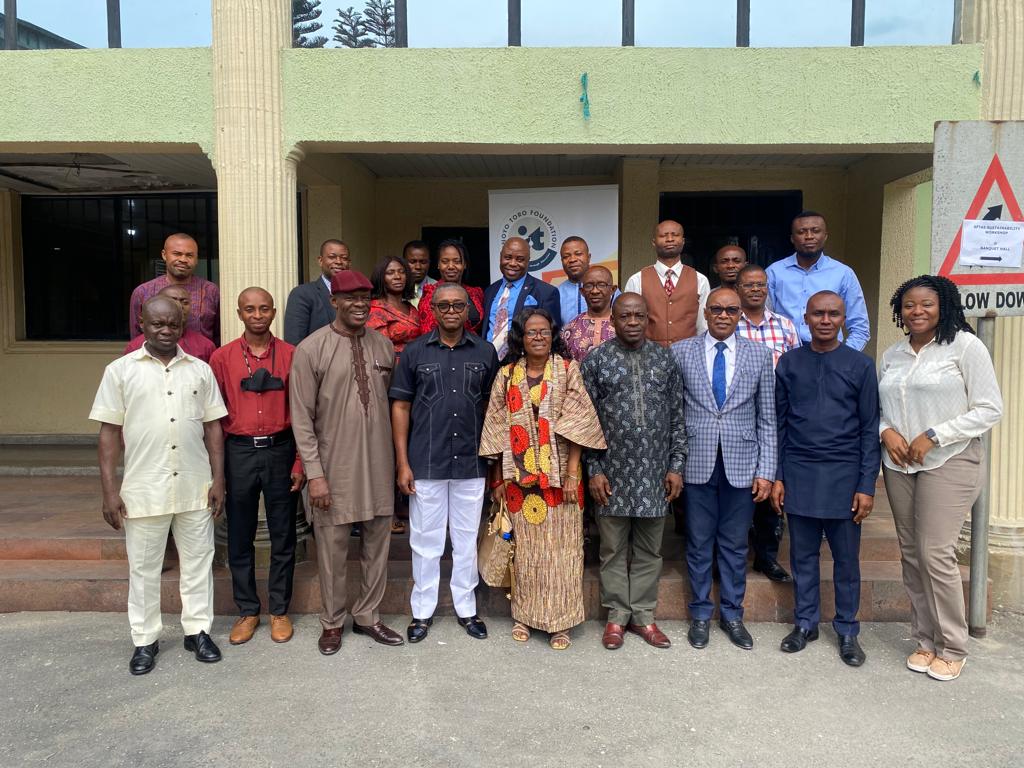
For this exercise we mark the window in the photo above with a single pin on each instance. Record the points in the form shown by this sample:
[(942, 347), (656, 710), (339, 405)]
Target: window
[(685, 24), (811, 23), (908, 22), (83, 256)]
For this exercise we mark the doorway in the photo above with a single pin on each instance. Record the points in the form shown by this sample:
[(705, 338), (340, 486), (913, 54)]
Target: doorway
[(477, 242), (758, 222)]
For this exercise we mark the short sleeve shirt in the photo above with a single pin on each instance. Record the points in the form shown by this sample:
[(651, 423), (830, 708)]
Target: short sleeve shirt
[(449, 388), (161, 409)]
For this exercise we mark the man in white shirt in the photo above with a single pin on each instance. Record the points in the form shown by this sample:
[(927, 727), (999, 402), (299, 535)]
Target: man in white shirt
[(166, 407), (675, 293)]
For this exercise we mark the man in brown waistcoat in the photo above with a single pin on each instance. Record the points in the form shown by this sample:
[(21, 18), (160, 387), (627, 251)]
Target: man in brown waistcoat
[(675, 293)]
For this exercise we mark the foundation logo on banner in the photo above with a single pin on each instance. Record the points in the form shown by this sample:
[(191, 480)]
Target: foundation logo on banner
[(536, 228)]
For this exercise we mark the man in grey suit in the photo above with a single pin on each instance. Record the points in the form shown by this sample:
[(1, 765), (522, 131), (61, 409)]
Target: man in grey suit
[(309, 305), (729, 411)]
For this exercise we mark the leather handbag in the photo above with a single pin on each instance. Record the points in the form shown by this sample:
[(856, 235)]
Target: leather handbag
[(497, 548)]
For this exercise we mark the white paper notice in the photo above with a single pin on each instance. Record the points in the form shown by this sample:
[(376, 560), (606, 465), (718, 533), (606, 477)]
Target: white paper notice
[(992, 244)]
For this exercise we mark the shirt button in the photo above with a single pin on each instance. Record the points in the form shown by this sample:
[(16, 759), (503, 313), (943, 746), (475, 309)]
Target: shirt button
[(173, 447), (453, 391), (670, 322), (455, 434), (174, 474), (172, 418), (170, 393)]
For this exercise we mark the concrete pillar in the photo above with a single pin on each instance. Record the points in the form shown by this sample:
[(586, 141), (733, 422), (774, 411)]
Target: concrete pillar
[(638, 213), (256, 176), (999, 24)]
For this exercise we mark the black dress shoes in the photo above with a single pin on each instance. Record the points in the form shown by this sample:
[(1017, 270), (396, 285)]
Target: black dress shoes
[(474, 627), (737, 633), (203, 647), (144, 658), (380, 633), (850, 651), (772, 570), (798, 639), (698, 634), (418, 629)]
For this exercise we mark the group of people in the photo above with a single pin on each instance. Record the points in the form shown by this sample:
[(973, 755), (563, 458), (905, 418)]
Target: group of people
[(735, 408)]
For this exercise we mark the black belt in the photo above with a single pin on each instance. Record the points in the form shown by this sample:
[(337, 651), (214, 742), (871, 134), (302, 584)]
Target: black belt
[(262, 441)]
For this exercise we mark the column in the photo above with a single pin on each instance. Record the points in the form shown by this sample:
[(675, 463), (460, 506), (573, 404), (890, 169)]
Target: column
[(999, 24), (638, 214)]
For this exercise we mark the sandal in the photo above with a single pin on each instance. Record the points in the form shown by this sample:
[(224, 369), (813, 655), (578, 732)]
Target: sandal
[(559, 641), (397, 526), (520, 632)]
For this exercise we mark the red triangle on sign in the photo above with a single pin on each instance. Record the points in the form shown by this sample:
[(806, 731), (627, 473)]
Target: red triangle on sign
[(994, 175)]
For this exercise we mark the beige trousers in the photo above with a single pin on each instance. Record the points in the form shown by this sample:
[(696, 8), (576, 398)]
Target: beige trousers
[(146, 540), (332, 543), (929, 508)]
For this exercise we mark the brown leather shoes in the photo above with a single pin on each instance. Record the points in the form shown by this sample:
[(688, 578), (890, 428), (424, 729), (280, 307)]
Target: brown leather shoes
[(613, 636), (244, 629), (281, 629), (651, 634), (330, 641), (380, 633)]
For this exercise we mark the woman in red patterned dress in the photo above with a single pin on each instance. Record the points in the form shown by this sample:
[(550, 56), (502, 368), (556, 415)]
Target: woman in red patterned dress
[(452, 260)]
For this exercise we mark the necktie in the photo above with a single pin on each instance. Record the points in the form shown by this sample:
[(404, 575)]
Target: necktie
[(718, 375), (669, 285), (499, 337)]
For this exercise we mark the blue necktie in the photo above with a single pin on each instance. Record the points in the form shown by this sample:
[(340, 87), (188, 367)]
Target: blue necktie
[(718, 374)]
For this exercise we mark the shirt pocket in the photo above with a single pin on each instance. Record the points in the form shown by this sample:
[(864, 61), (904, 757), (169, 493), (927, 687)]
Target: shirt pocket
[(428, 377), (194, 402), (473, 380)]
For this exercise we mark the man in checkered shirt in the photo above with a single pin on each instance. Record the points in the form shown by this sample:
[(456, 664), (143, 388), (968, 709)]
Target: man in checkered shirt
[(778, 333)]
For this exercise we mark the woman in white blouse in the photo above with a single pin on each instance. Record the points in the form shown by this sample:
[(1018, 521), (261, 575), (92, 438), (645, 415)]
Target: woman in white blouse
[(938, 395)]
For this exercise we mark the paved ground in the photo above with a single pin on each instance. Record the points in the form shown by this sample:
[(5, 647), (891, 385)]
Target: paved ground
[(68, 700)]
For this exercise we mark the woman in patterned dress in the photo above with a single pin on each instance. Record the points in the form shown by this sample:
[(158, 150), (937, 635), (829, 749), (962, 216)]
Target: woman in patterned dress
[(538, 422), (452, 260)]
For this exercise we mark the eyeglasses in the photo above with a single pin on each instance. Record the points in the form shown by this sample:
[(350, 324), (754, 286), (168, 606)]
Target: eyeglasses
[(444, 307), (588, 287), (541, 333), (753, 286), (732, 311)]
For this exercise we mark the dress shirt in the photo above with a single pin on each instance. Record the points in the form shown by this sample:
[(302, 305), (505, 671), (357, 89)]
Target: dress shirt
[(711, 352), (513, 297), (775, 331), (161, 410), (191, 342), (951, 388), (418, 290), (790, 286), (327, 282), (449, 388), (703, 287)]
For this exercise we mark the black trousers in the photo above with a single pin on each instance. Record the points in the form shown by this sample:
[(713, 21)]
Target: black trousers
[(248, 472), (767, 531)]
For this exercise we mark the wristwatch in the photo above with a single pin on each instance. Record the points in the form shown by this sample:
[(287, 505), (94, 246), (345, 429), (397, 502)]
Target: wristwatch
[(930, 434)]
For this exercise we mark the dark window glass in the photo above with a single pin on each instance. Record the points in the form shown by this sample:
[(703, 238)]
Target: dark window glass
[(83, 256)]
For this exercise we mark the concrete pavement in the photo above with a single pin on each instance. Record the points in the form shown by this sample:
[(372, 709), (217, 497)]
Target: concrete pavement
[(68, 700)]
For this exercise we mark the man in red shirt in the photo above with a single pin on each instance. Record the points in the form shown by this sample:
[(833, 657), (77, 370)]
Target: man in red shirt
[(260, 456), (191, 342)]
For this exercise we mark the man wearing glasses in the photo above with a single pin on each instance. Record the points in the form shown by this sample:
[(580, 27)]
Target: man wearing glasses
[(729, 411), (438, 396), (593, 327), (779, 335)]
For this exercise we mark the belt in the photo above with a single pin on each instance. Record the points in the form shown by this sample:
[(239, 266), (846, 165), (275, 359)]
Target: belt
[(262, 441)]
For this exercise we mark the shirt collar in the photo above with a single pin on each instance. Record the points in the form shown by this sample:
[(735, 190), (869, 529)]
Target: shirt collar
[(676, 269), (822, 263), (710, 341), (326, 282), (435, 338), (768, 317), (142, 354), (514, 284), (248, 350)]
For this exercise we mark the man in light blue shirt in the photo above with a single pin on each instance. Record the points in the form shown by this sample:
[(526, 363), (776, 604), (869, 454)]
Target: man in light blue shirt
[(794, 279), (575, 255)]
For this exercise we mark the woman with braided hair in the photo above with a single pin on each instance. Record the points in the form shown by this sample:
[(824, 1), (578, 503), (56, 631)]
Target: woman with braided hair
[(938, 396)]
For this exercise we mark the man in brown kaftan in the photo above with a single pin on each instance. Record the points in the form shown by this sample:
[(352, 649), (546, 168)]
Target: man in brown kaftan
[(342, 424)]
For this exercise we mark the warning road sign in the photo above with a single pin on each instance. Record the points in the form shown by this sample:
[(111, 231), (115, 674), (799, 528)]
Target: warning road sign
[(977, 223)]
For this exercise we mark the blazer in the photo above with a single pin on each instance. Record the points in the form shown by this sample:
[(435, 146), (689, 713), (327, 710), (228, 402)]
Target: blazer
[(545, 295), (308, 309), (745, 426)]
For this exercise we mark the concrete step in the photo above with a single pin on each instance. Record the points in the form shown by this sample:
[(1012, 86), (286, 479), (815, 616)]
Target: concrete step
[(102, 585)]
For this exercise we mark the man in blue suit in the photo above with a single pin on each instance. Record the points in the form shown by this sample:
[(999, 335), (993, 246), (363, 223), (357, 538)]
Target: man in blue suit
[(309, 305), (729, 395), (516, 289)]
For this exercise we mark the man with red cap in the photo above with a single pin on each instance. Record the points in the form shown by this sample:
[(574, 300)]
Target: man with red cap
[(341, 420)]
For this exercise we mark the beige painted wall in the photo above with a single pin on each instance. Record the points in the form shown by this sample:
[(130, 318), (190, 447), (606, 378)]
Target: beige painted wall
[(339, 203)]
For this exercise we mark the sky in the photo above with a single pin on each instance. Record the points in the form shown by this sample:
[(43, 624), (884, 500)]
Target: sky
[(484, 23)]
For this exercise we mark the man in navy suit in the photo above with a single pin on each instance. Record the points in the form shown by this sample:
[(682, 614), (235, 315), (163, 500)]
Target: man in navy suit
[(505, 298), (729, 396), (309, 305)]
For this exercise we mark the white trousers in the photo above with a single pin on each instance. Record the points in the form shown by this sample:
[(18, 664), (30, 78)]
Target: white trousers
[(146, 541), (438, 505)]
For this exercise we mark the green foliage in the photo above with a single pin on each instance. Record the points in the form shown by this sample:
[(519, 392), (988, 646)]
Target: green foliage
[(305, 15), (350, 29)]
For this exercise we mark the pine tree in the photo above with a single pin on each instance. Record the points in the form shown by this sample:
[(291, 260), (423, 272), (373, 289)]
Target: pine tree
[(304, 22), (380, 22), (350, 29)]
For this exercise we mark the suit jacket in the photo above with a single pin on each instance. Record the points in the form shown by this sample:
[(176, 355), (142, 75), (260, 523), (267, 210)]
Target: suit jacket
[(545, 295), (745, 426), (308, 309)]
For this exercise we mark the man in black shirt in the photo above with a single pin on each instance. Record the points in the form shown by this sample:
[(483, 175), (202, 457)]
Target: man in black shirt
[(439, 393)]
